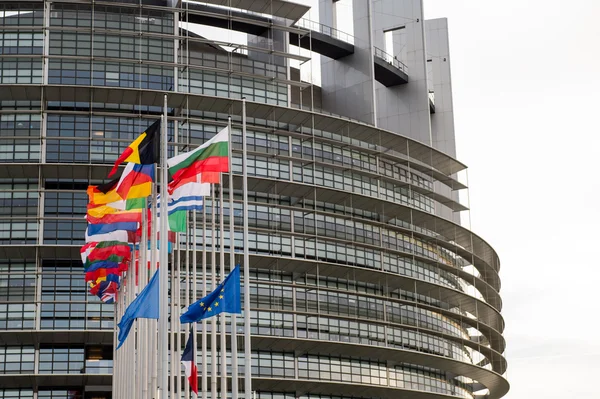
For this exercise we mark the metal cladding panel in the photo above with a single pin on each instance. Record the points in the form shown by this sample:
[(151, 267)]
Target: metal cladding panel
[(278, 8), (238, 21), (302, 387), (59, 337), (53, 380)]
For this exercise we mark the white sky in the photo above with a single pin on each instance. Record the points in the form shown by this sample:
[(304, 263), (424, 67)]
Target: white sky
[(526, 81), (526, 78)]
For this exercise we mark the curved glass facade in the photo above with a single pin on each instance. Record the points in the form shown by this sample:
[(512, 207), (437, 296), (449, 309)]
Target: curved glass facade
[(354, 235)]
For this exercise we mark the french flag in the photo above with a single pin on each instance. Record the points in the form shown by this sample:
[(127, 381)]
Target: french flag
[(189, 362)]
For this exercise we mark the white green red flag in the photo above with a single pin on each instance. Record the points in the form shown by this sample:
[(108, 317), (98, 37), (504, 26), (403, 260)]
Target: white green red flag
[(207, 160)]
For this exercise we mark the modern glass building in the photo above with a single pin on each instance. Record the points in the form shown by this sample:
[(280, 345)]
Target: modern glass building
[(364, 282)]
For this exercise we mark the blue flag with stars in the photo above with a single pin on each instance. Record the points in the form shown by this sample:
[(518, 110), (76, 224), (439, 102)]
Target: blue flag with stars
[(225, 298)]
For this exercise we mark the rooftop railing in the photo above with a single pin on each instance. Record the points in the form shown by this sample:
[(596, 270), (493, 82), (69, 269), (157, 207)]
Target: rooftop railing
[(324, 29), (390, 59)]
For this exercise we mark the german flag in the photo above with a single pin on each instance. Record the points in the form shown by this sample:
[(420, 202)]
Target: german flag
[(144, 150), (104, 193)]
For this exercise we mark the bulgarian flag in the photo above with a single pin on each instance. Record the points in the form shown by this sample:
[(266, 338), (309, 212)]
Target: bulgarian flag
[(208, 160)]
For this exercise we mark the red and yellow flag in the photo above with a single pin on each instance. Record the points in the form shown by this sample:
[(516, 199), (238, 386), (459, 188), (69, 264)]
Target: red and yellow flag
[(144, 149)]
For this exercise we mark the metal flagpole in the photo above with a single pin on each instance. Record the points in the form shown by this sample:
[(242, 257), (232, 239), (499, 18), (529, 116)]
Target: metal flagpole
[(163, 276), (190, 276), (213, 281), (234, 352), (203, 342), (247, 348), (152, 324), (142, 270), (131, 349), (222, 274), (171, 331)]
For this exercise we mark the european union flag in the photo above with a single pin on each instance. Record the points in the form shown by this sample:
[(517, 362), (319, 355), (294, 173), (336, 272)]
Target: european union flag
[(144, 306), (225, 298)]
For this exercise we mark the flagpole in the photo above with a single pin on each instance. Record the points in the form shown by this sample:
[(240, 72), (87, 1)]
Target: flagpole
[(152, 323), (193, 286), (132, 342), (234, 352), (222, 316), (213, 279), (163, 276), (172, 330), (247, 348), (203, 342), (143, 276)]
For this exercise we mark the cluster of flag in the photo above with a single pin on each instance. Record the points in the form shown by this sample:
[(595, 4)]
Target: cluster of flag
[(114, 216)]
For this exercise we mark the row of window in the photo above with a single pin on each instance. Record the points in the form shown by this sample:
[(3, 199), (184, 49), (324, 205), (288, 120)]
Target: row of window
[(111, 46), (102, 129), (358, 332), (66, 360), (104, 17), (71, 231), (62, 282)]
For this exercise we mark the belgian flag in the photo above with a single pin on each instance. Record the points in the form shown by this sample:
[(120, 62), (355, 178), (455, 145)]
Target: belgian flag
[(144, 150)]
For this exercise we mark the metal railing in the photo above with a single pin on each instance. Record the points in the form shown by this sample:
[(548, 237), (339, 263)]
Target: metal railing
[(324, 29), (390, 59)]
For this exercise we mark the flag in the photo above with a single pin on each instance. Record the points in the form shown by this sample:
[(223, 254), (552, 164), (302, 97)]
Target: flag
[(116, 217), (225, 298), (93, 251), (109, 262), (191, 189), (101, 273), (106, 291), (145, 306), (103, 283), (188, 197), (212, 156), (189, 362), (104, 193), (118, 235), (136, 236), (192, 179), (136, 181), (143, 150), (94, 229), (101, 210), (105, 264)]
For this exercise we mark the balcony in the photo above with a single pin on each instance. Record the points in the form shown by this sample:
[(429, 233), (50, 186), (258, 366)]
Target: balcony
[(323, 39), (389, 71)]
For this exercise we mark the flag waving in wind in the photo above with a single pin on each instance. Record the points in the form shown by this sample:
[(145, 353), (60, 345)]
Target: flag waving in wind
[(188, 359), (210, 157), (143, 150), (145, 306), (225, 298)]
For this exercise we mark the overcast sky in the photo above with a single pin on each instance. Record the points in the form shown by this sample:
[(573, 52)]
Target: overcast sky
[(526, 81), (526, 78)]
